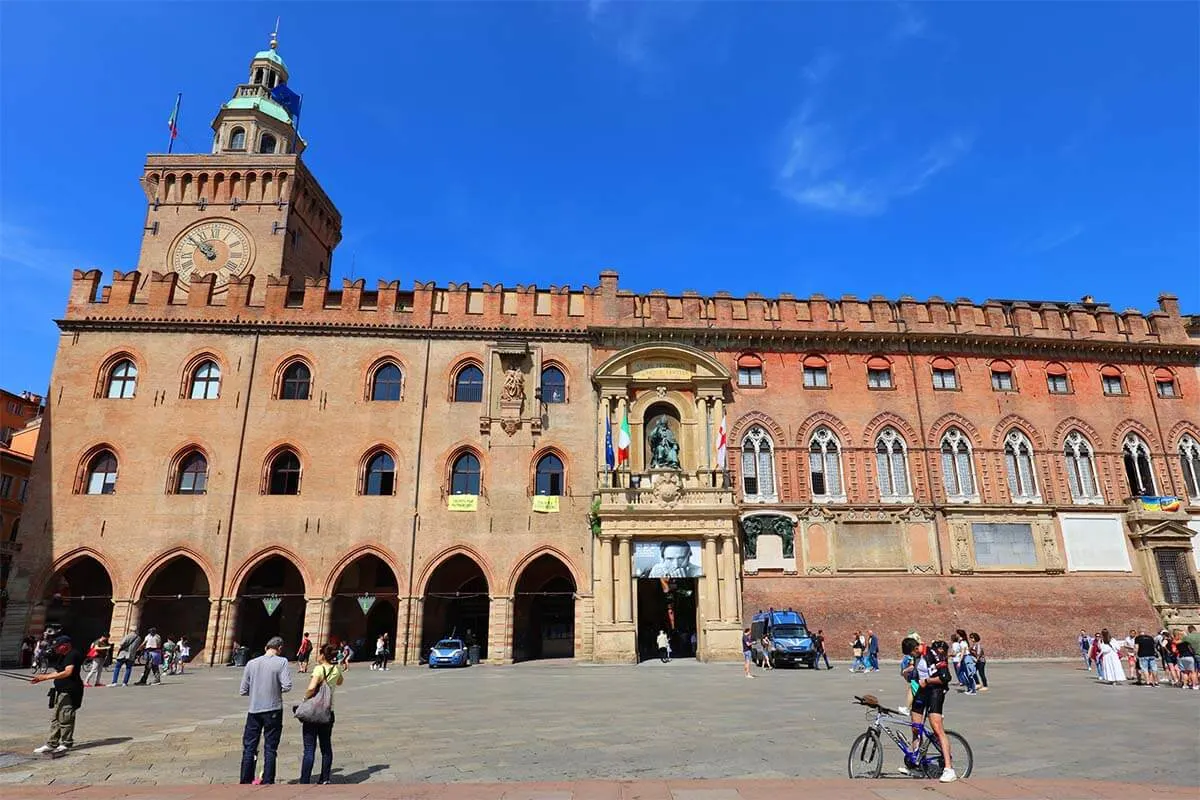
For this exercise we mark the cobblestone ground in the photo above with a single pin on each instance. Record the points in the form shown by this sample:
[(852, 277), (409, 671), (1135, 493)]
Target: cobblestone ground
[(552, 721)]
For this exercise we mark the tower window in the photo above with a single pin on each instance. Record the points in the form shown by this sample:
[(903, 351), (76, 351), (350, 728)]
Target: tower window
[(266, 144), (237, 139), (258, 75), (271, 79)]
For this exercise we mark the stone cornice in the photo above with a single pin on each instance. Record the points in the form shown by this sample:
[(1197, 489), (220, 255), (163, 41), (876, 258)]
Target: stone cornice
[(900, 342)]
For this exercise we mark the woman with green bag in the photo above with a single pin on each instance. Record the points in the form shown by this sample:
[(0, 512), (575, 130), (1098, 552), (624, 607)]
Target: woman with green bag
[(327, 672)]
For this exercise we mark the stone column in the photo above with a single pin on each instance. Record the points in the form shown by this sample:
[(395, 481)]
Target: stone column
[(223, 639), (604, 592), (499, 631), (125, 616), (729, 598), (712, 603), (317, 618), (211, 633), (624, 569)]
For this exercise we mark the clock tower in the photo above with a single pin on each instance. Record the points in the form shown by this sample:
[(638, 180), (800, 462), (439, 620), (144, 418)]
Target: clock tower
[(249, 207)]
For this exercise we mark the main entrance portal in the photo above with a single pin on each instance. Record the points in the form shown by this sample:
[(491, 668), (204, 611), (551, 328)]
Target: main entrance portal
[(666, 604)]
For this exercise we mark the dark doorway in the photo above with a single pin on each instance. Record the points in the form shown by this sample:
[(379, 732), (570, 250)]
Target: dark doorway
[(275, 579), (79, 598), (666, 604), (367, 581), (544, 611), (456, 603), (175, 601)]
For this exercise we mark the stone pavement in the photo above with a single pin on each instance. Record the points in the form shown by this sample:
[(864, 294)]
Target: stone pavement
[(817, 789), (548, 721)]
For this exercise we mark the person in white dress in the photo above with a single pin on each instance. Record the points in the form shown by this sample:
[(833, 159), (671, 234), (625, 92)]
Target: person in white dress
[(1110, 660)]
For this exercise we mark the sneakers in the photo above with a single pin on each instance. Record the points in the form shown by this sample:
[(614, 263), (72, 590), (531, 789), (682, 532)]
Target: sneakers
[(983, 688), (948, 776), (46, 748), (903, 709), (62, 748), (903, 770)]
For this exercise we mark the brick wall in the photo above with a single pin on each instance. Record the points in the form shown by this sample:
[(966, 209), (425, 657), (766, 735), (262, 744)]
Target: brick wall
[(1038, 616)]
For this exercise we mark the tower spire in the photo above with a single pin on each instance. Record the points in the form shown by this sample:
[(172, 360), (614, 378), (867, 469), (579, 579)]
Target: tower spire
[(275, 35)]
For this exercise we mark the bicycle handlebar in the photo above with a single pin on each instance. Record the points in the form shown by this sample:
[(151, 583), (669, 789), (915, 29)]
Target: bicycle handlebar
[(870, 701)]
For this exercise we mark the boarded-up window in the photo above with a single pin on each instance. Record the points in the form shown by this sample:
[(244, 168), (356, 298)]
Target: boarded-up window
[(1004, 544), (508, 303), (1095, 543), (869, 546), (575, 304), (474, 301), (542, 303)]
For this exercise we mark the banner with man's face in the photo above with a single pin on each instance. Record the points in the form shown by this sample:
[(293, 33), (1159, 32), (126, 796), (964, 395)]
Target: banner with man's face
[(674, 558)]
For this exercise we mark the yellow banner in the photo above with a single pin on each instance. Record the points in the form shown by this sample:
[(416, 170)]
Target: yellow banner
[(545, 504), (463, 502)]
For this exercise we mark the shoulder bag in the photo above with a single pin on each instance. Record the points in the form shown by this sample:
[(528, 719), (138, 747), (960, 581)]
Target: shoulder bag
[(318, 709)]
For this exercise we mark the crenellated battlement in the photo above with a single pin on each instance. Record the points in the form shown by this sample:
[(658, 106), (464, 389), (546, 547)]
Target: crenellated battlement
[(158, 296)]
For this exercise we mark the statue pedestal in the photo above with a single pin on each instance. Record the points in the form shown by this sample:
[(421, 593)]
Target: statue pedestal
[(510, 415), (770, 552)]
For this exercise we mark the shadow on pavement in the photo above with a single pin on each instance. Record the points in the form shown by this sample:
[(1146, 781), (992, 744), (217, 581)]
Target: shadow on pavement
[(102, 742), (359, 776)]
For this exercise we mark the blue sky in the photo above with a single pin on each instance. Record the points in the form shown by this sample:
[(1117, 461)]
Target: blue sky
[(1037, 150)]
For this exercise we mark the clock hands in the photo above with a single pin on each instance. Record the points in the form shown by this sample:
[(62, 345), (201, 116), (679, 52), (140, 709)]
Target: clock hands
[(204, 247)]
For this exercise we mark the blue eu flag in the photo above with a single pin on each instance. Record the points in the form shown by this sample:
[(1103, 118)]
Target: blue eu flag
[(287, 98), (610, 458)]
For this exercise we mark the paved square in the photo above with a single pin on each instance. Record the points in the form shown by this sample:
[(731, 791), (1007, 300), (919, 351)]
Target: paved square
[(552, 721)]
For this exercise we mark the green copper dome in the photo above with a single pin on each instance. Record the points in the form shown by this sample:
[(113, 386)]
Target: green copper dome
[(270, 55), (263, 104)]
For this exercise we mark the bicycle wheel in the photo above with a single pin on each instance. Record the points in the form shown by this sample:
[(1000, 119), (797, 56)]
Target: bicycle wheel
[(866, 756), (960, 756)]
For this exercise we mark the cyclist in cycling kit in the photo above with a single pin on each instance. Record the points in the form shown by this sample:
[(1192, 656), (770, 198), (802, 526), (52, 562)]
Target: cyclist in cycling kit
[(933, 678)]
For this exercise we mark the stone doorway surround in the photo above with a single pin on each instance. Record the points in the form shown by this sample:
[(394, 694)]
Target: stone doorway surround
[(635, 503), (1155, 532)]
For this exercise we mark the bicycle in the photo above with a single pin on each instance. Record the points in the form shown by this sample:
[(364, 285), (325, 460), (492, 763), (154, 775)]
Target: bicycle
[(922, 758)]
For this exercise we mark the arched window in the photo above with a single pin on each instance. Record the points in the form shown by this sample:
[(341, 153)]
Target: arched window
[(1002, 377), (1189, 459), (266, 144), (284, 475), (1018, 463), (206, 381), (1111, 380), (122, 380), (464, 475), (1081, 469), (102, 473), (548, 476), (891, 466), (1138, 472), (758, 466), (958, 475), (386, 382), (381, 475), (193, 474), (237, 139), (824, 465), (554, 385), (468, 385), (750, 370), (1164, 383), (945, 378), (297, 381)]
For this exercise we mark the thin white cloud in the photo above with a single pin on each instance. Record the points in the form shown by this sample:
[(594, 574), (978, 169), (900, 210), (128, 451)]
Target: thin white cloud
[(817, 71), (1052, 240), (910, 25), (830, 169), (633, 29)]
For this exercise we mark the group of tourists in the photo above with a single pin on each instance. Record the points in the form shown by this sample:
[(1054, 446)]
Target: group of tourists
[(865, 652), (1139, 657)]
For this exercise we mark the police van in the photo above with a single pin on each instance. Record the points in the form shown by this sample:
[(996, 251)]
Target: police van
[(788, 639)]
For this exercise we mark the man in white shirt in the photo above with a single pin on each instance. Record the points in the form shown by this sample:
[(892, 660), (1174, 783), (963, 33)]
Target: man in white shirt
[(152, 649)]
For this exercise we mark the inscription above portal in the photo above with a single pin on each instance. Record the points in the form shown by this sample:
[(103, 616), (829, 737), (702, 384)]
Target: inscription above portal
[(660, 369)]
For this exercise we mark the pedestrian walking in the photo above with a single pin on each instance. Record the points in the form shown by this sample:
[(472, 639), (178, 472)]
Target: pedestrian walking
[(264, 681), (1110, 660), (65, 698), (663, 643), (747, 651), (1187, 658), (328, 672), (126, 651), (185, 652), (872, 652), (97, 656), (381, 652), (857, 648), (1085, 648), (980, 661), (766, 649), (819, 646), (152, 648), (303, 653)]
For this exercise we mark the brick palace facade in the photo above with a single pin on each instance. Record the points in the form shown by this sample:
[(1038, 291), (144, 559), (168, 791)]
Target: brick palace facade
[(233, 448)]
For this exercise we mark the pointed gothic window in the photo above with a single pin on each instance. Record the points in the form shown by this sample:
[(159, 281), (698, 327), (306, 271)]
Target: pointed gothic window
[(958, 474), (266, 144), (237, 139), (122, 380), (381, 475), (758, 466), (206, 381), (1018, 463), (284, 474), (468, 385), (386, 382), (1189, 457), (1138, 472), (554, 385), (824, 466), (1081, 469), (548, 476), (102, 474), (891, 466), (297, 381), (193, 474), (464, 475)]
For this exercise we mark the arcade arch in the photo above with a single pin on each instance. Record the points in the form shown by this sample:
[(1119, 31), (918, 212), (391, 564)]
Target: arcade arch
[(270, 602), (456, 601), (365, 603), (544, 610), (175, 600), (79, 597)]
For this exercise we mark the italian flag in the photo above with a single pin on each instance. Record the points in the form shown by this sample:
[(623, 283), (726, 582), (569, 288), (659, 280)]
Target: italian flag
[(623, 439), (721, 435)]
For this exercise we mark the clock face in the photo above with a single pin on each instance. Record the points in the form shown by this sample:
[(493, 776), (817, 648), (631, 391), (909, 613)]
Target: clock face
[(216, 246)]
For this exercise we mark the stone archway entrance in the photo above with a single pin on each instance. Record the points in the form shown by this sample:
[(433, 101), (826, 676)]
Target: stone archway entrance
[(456, 602), (176, 601), (544, 611), (79, 598), (270, 603), (367, 582)]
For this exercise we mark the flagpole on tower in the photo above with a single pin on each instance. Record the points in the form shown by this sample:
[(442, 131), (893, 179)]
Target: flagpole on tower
[(173, 123)]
